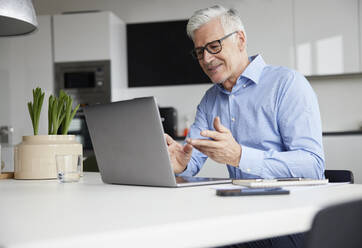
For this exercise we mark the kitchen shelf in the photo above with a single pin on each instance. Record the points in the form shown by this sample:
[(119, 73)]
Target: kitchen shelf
[(340, 133), (356, 75)]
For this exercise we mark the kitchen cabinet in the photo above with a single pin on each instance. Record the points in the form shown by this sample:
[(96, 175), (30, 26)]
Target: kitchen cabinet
[(326, 36), (269, 29), (89, 37), (80, 37)]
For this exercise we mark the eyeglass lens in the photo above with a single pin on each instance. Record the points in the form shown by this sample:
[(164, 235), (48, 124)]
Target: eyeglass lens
[(213, 48)]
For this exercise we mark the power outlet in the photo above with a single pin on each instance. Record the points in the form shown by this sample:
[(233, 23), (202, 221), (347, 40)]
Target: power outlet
[(6, 134)]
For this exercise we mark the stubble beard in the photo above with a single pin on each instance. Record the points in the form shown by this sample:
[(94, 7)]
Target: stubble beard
[(215, 82)]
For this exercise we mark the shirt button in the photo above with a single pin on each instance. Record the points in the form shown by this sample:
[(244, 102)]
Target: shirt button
[(232, 96), (233, 119), (244, 85)]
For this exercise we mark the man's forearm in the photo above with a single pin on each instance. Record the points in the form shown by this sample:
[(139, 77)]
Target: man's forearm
[(272, 164)]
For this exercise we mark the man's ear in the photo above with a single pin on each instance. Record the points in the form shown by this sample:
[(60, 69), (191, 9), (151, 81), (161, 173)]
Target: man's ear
[(241, 40)]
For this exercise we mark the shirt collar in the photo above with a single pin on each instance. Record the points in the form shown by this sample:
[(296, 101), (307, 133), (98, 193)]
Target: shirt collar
[(254, 69)]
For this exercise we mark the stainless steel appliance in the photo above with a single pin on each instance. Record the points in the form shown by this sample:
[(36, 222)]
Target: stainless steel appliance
[(79, 128), (169, 120), (88, 82)]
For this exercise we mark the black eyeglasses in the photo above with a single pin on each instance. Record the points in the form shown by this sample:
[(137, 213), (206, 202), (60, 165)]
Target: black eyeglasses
[(212, 47)]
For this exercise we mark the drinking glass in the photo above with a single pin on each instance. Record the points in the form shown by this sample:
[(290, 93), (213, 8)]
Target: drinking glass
[(68, 167)]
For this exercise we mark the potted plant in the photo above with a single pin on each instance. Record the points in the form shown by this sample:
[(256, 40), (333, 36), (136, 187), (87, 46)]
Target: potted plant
[(34, 157)]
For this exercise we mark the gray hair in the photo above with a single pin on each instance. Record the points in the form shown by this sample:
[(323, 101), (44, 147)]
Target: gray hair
[(229, 18)]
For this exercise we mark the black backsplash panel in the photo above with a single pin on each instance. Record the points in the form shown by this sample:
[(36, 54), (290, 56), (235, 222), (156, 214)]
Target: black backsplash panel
[(159, 55)]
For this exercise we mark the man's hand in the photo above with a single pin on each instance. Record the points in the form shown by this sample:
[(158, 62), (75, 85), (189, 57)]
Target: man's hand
[(223, 148), (179, 155)]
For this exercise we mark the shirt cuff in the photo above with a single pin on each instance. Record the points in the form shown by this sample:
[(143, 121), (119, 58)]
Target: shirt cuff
[(185, 173), (251, 160)]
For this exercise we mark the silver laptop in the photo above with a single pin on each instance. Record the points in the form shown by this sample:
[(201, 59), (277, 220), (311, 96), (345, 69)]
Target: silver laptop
[(130, 146)]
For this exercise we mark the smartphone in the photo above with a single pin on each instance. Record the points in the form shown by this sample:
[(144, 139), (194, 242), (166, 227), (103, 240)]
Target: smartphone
[(251, 191)]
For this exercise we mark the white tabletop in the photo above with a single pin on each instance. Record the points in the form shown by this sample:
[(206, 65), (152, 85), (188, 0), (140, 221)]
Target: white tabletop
[(90, 213)]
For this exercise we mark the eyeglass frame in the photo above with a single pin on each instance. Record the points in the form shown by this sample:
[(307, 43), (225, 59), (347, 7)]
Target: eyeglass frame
[(203, 48)]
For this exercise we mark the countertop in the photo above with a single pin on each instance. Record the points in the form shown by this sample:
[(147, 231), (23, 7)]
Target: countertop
[(45, 213)]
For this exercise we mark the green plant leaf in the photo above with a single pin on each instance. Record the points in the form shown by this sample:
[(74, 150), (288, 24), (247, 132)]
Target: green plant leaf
[(60, 113), (35, 108), (50, 119)]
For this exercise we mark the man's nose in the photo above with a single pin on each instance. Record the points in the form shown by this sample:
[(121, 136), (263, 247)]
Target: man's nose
[(207, 56)]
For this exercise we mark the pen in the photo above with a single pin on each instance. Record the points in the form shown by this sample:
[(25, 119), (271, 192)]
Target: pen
[(289, 179)]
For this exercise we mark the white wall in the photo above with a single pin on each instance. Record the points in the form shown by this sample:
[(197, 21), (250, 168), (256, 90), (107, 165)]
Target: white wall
[(339, 98), (25, 63), (131, 11), (186, 98)]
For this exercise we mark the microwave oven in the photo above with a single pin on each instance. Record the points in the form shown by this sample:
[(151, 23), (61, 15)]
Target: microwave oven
[(88, 82)]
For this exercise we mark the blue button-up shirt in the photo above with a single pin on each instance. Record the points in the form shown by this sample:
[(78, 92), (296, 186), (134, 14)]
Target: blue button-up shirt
[(273, 113)]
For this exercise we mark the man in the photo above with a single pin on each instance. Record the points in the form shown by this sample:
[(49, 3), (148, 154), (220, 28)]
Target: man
[(261, 121)]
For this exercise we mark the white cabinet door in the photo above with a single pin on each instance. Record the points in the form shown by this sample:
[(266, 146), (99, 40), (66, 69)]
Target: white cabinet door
[(360, 34), (344, 153), (82, 37), (326, 35), (269, 29)]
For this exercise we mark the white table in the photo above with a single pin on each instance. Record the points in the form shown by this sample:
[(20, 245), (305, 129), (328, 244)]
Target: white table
[(92, 214)]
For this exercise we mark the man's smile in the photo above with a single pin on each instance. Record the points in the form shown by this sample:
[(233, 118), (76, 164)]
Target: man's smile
[(213, 68)]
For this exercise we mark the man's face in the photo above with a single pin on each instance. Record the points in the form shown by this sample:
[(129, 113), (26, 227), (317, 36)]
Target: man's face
[(223, 65)]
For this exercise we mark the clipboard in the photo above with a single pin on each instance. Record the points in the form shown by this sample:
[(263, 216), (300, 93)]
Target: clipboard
[(280, 182)]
